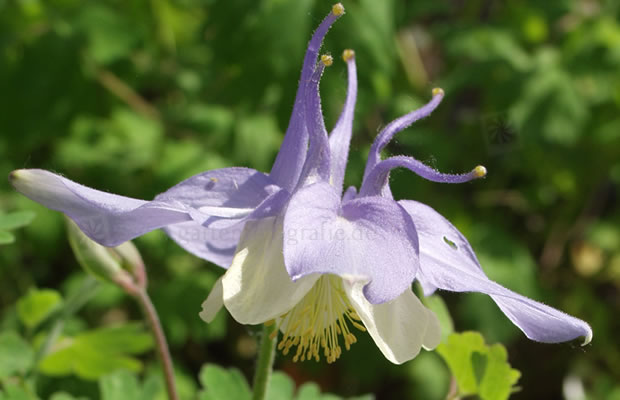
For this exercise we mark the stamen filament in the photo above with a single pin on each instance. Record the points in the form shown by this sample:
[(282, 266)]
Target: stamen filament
[(316, 324)]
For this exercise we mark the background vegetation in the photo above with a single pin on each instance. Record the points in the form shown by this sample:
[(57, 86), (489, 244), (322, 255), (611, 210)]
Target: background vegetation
[(133, 96)]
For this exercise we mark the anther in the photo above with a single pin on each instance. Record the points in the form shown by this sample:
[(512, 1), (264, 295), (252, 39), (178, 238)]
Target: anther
[(327, 60), (316, 324), (438, 92), (338, 9), (348, 54), (480, 171)]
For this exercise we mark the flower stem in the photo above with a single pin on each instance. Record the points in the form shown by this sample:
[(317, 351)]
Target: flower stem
[(264, 365), (160, 340)]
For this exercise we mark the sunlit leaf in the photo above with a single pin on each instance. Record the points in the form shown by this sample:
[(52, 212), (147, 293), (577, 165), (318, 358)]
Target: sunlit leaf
[(37, 305), (479, 368)]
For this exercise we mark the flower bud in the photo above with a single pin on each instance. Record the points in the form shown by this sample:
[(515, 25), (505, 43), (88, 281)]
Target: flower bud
[(131, 261), (102, 262)]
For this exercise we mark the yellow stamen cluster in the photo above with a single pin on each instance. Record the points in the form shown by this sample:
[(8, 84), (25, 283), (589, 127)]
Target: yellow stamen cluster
[(327, 60), (348, 54), (317, 322), (437, 91)]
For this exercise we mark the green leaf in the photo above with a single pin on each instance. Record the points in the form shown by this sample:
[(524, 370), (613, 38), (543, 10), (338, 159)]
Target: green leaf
[(15, 392), (281, 387), (15, 355), (490, 44), (119, 385), (16, 219), (373, 22), (309, 391), (131, 137), (37, 305), (223, 384), (153, 387), (479, 369), (123, 384), (6, 237), (110, 34), (606, 235), (96, 353), (479, 364), (65, 396)]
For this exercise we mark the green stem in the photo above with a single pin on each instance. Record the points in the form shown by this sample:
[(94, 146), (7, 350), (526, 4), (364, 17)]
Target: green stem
[(160, 341), (71, 306), (264, 365)]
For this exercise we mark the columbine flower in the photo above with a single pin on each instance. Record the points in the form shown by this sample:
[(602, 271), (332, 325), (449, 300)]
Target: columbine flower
[(300, 253)]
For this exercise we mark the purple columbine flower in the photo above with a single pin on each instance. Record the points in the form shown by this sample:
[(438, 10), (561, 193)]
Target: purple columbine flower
[(299, 252)]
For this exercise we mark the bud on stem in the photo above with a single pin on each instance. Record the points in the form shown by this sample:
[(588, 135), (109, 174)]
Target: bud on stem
[(120, 265)]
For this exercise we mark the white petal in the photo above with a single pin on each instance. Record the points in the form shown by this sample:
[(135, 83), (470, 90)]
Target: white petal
[(256, 287), (213, 303), (432, 336), (399, 327)]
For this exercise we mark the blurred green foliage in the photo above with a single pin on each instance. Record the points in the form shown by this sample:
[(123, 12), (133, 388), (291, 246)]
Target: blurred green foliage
[(95, 353), (12, 221), (222, 384), (134, 96)]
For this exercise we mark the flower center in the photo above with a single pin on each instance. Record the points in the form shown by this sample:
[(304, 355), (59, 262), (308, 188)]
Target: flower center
[(318, 321)]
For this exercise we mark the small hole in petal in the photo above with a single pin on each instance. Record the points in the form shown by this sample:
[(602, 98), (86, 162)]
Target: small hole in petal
[(450, 243), (211, 183)]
